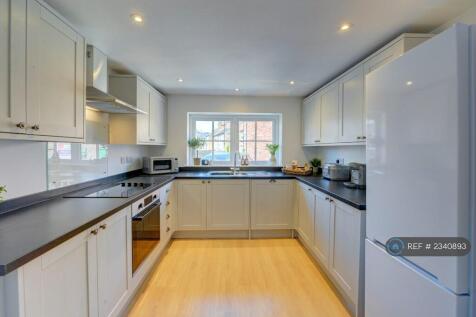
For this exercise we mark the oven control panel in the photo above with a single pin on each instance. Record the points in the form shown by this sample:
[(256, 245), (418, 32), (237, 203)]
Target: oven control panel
[(144, 202)]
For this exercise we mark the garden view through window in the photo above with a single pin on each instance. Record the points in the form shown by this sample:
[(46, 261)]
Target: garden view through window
[(225, 134)]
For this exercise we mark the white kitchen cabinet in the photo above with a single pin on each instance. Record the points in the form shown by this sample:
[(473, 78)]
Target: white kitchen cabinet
[(322, 228), (336, 113), (56, 283), (148, 127), (42, 83), (352, 105), (347, 233), (88, 275), (311, 120), (330, 114), (272, 204), (167, 210), (191, 205), (228, 204), (306, 207), (112, 262), (55, 75), (158, 118)]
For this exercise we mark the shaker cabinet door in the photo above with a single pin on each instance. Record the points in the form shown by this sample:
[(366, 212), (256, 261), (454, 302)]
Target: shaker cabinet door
[(352, 106), (55, 75), (330, 114)]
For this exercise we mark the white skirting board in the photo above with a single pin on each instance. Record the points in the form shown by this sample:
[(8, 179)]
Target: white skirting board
[(234, 234)]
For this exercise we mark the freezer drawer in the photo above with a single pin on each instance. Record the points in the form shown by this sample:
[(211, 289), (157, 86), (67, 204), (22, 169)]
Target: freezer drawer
[(394, 288)]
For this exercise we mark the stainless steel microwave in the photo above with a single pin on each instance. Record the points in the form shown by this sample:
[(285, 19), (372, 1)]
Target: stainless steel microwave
[(160, 165)]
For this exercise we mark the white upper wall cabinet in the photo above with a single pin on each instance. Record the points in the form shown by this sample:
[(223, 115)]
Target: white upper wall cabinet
[(149, 127), (311, 120), (42, 88), (352, 105), (330, 114), (55, 75), (336, 113)]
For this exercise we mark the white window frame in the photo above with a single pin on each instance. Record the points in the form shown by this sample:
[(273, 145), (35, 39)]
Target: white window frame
[(234, 118)]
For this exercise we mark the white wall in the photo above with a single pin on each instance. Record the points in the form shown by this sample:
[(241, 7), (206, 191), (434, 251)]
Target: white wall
[(180, 105), (329, 154), (23, 165)]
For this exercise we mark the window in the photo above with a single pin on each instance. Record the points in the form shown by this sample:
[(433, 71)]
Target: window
[(225, 134)]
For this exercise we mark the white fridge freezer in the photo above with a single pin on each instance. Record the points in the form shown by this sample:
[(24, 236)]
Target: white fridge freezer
[(420, 175)]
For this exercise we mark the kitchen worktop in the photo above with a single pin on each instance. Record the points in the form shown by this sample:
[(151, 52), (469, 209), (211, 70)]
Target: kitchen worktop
[(28, 232)]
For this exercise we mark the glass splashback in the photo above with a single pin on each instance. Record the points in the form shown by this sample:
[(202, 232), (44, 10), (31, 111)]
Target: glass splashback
[(72, 163)]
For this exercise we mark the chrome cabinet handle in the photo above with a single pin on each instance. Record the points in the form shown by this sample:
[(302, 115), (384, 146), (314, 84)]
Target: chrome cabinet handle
[(327, 198), (364, 137), (167, 190), (317, 141), (35, 127), (167, 230), (272, 180), (20, 125), (94, 232), (152, 140), (309, 189), (167, 203), (103, 226), (359, 137), (167, 216)]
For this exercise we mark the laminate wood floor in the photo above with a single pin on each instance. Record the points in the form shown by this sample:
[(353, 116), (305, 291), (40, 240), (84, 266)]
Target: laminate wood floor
[(235, 278)]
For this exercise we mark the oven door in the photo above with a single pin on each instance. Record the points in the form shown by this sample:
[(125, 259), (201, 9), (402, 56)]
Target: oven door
[(145, 234)]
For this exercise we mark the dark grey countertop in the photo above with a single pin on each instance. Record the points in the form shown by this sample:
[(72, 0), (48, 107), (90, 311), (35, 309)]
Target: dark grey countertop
[(28, 232)]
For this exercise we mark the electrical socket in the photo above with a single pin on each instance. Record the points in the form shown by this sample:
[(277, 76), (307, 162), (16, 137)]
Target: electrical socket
[(340, 160)]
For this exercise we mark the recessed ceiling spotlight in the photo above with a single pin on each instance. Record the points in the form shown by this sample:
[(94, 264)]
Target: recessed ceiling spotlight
[(292, 82), (137, 18), (409, 83), (237, 89), (345, 27), (180, 80)]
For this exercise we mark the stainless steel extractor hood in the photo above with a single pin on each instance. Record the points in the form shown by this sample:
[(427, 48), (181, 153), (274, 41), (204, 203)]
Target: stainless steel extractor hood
[(97, 79)]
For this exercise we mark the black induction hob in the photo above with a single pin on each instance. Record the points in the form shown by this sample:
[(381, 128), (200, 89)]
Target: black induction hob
[(128, 188)]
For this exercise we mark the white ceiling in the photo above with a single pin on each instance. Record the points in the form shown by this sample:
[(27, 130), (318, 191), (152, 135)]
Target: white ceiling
[(255, 45)]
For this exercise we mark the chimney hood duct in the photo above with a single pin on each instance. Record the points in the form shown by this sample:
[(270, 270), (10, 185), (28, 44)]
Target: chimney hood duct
[(97, 79)]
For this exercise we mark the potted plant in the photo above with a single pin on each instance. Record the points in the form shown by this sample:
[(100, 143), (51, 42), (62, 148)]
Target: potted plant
[(3, 189), (195, 144), (272, 148), (316, 164)]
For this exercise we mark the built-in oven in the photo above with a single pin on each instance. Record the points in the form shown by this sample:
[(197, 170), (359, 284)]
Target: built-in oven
[(145, 228)]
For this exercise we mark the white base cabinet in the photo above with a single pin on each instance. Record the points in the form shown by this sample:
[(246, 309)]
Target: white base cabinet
[(191, 204), (272, 204), (322, 228), (167, 212), (213, 204), (108, 262), (334, 232), (228, 204), (306, 207), (56, 283), (87, 275)]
